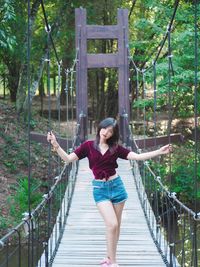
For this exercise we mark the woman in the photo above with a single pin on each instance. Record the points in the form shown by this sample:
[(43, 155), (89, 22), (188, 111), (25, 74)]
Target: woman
[(108, 189)]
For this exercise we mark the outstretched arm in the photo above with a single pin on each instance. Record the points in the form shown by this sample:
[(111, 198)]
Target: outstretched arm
[(147, 155), (64, 156)]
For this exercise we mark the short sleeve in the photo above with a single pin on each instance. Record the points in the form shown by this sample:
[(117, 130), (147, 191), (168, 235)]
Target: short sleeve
[(82, 150), (123, 152)]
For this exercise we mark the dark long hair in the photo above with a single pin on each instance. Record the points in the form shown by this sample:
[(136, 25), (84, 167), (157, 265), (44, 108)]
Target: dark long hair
[(113, 140)]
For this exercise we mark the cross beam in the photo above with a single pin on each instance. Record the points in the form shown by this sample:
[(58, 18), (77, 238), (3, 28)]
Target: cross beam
[(42, 138), (141, 143), (159, 140)]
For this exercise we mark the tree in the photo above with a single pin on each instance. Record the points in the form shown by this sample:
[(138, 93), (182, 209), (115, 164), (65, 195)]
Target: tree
[(22, 86), (8, 42)]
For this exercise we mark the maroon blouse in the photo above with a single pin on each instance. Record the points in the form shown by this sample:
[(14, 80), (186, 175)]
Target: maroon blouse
[(103, 166)]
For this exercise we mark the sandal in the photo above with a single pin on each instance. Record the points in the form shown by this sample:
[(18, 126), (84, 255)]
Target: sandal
[(105, 262)]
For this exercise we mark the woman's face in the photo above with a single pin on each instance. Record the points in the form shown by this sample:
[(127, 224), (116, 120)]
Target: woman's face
[(106, 133)]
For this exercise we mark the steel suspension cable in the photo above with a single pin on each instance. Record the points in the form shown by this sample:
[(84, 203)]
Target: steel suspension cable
[(155, 104), (168, 30), (155, 132), (59, 109), (59, 193), (67, 104), (137, 90), (49, 147), (162, 43), (49, 30), (196, 104), (169, 104), (72, 98), (196, 160), (171, 215), (144, 123), (29, 119), (29, 110)]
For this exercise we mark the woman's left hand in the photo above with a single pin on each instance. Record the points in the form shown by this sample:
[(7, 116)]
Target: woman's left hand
[(166, 149)]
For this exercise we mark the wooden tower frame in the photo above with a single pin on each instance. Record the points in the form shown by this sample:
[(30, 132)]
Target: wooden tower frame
[(118, 60)]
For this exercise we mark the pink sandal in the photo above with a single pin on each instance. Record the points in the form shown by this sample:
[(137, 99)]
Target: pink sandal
[(105, 262)]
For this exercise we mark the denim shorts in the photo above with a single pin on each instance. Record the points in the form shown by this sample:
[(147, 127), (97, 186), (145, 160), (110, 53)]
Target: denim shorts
[(112, 190)]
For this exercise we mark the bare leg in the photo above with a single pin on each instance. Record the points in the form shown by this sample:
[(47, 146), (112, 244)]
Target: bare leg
[(118, 211), (112, 218)]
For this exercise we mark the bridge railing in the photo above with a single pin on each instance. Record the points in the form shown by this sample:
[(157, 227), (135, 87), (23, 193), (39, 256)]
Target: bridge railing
[(35, 240), (173, 226), (24, 244)]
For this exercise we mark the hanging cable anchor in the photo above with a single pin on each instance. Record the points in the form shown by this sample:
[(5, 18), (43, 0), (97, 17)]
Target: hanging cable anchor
[(2, 244), (172, 195), (196, 217), (46, 196), (158, 178), (48, 28)]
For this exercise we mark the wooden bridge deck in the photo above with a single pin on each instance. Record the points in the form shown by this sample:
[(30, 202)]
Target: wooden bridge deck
[(83, 243)]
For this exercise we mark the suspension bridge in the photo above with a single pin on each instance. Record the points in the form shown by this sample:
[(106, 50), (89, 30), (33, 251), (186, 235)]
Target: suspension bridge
[(65, 229)]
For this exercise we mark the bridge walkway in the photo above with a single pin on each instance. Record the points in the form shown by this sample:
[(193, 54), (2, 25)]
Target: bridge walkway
[(83, 243)]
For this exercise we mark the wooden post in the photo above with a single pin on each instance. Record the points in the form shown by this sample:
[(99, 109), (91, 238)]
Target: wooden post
[(116, 60), (123, 67)]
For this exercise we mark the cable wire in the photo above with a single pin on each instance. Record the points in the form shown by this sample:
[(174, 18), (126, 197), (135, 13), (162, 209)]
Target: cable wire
[(49, 30), (29, 119), (162, 43)]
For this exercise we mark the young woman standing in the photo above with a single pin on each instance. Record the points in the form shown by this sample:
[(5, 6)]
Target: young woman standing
[(108, 189)]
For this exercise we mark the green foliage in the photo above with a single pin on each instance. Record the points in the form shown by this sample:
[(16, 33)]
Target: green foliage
[(16, 155), (11, 166), (3, 223), (183, 173), (149, 29), (7, 40), (18, 202), (182, 178)]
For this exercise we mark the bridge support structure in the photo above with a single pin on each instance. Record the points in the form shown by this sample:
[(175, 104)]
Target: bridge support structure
[(117, 60)]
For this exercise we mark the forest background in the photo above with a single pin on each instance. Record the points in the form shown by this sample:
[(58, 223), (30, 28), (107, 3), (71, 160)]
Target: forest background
[(148, 23)]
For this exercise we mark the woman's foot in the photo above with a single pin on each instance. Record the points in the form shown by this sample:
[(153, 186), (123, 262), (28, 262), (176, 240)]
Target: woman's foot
[(106, 262)]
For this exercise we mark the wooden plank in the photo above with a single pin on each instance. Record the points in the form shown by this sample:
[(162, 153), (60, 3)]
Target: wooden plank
[(42, 138), (160, 140), (83, 243), (102, 60), (102, 32)]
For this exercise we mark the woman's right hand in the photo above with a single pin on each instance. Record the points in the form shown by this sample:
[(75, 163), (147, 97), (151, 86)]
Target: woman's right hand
[(52, 139)]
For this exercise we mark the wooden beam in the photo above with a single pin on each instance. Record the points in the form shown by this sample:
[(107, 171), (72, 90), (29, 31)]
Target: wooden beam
[(160, 140), (102, 60), (42, 138), (102, 32)]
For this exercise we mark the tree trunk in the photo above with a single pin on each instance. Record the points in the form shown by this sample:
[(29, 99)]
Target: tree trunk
[(12, 78), (22, 86), (101, 103), (112, 96)]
